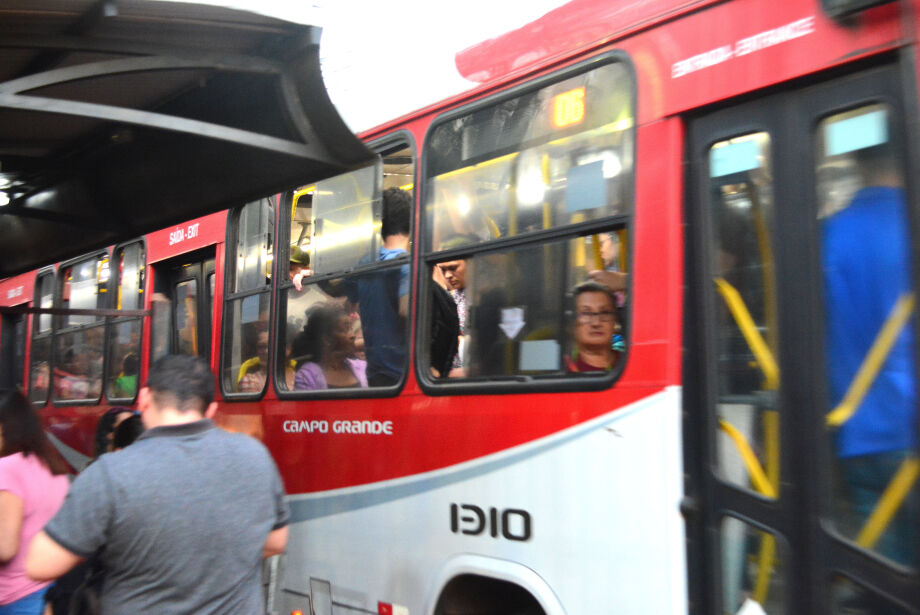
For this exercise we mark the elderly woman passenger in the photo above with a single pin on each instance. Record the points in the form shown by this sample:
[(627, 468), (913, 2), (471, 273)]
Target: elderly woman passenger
[(328, 346), (595, 329)]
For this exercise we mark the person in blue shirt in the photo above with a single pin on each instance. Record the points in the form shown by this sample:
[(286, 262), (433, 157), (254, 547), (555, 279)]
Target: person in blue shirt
[(382, 297), (867, 266)]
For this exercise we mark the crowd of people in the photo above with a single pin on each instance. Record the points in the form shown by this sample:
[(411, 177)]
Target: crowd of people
[(137, 529)]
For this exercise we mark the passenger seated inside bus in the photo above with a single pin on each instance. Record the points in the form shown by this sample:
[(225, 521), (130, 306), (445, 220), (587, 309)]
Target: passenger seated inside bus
[(71, 379), (39, 380), (597, 344), (325, 351), (253, 371), (126, 382)]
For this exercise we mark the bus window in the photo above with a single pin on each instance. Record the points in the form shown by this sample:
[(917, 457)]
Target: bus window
[(557, 161), (868, 293), (344, 304), (743, 291), (79, 339), (248, 298), (124, 336), (40, 353), (553, 157), (512, 322), (180, 312), (186, 317)]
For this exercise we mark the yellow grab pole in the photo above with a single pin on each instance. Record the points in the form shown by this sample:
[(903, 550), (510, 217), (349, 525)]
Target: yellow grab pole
[(889, 503), (752, 336), (755, 470), (873, 362)]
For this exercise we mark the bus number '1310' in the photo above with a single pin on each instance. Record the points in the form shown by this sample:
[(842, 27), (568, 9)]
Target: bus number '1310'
[(511, 523)]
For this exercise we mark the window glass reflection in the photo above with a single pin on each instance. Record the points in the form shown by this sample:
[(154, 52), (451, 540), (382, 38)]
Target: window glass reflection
[(867, 272), (529, 311), (850, 598), (124, 359), (548, 158), (40, 370), (245, 364), (78, 364), (186, 317), (743, 291), (752, 569)]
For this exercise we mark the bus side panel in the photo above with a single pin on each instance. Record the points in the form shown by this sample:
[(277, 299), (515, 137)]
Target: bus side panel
[(601, 498)]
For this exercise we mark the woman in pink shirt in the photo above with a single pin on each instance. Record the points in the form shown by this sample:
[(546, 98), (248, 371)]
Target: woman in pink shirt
[(32, 486)]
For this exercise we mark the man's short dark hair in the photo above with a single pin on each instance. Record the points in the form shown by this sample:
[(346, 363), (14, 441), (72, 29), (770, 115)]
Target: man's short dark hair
[(397, 212), (127, 431), (182, 381), (593, 287)]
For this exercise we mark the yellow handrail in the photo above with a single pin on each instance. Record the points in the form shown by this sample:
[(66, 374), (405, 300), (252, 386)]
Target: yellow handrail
[(596, 252), (764, 566), (752, 336), (889, 503), (755, 470), (873, 361), (767, 486)]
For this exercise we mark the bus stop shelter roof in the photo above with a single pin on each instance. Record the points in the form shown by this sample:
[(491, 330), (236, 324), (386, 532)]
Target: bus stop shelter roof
[(120, 117)]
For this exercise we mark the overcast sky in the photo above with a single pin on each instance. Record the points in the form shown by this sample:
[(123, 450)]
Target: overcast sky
[(384, 59)]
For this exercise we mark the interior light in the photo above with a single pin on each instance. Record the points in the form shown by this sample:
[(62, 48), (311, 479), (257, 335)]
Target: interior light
[(463, 205), (4, 199), (350, 234), (531, 188)]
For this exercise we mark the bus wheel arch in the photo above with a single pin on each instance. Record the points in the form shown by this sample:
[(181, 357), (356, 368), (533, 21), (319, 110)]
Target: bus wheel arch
[(488, 586)]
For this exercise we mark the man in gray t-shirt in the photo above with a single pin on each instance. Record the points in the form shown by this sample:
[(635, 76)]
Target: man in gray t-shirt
[(181, 518)]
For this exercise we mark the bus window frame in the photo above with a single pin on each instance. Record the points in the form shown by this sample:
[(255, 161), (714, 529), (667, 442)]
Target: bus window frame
[(394, 140), (34, 319), (557, 383), (58, 330), (114, 286), (899, 117), (231, 238), (850, 7)]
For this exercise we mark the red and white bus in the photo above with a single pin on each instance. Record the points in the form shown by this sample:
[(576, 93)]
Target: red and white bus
[(701, 148)]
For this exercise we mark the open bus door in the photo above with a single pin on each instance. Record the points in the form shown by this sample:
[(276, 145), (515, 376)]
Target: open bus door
[(779, 517), (12, 351), (183, 306)]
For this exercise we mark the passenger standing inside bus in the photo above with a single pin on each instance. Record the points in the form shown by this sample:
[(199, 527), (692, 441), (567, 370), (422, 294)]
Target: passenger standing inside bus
[(867, 267), (181, 516), (455, 275), (595, 329), (32, 486), (299, 266), (382, 298)]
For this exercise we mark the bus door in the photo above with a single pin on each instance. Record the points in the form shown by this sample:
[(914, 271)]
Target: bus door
[(800, 366), (182, 306), (12, 351)]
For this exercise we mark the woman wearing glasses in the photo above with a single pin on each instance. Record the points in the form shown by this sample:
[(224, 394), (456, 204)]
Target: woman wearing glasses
[(597, 347)]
